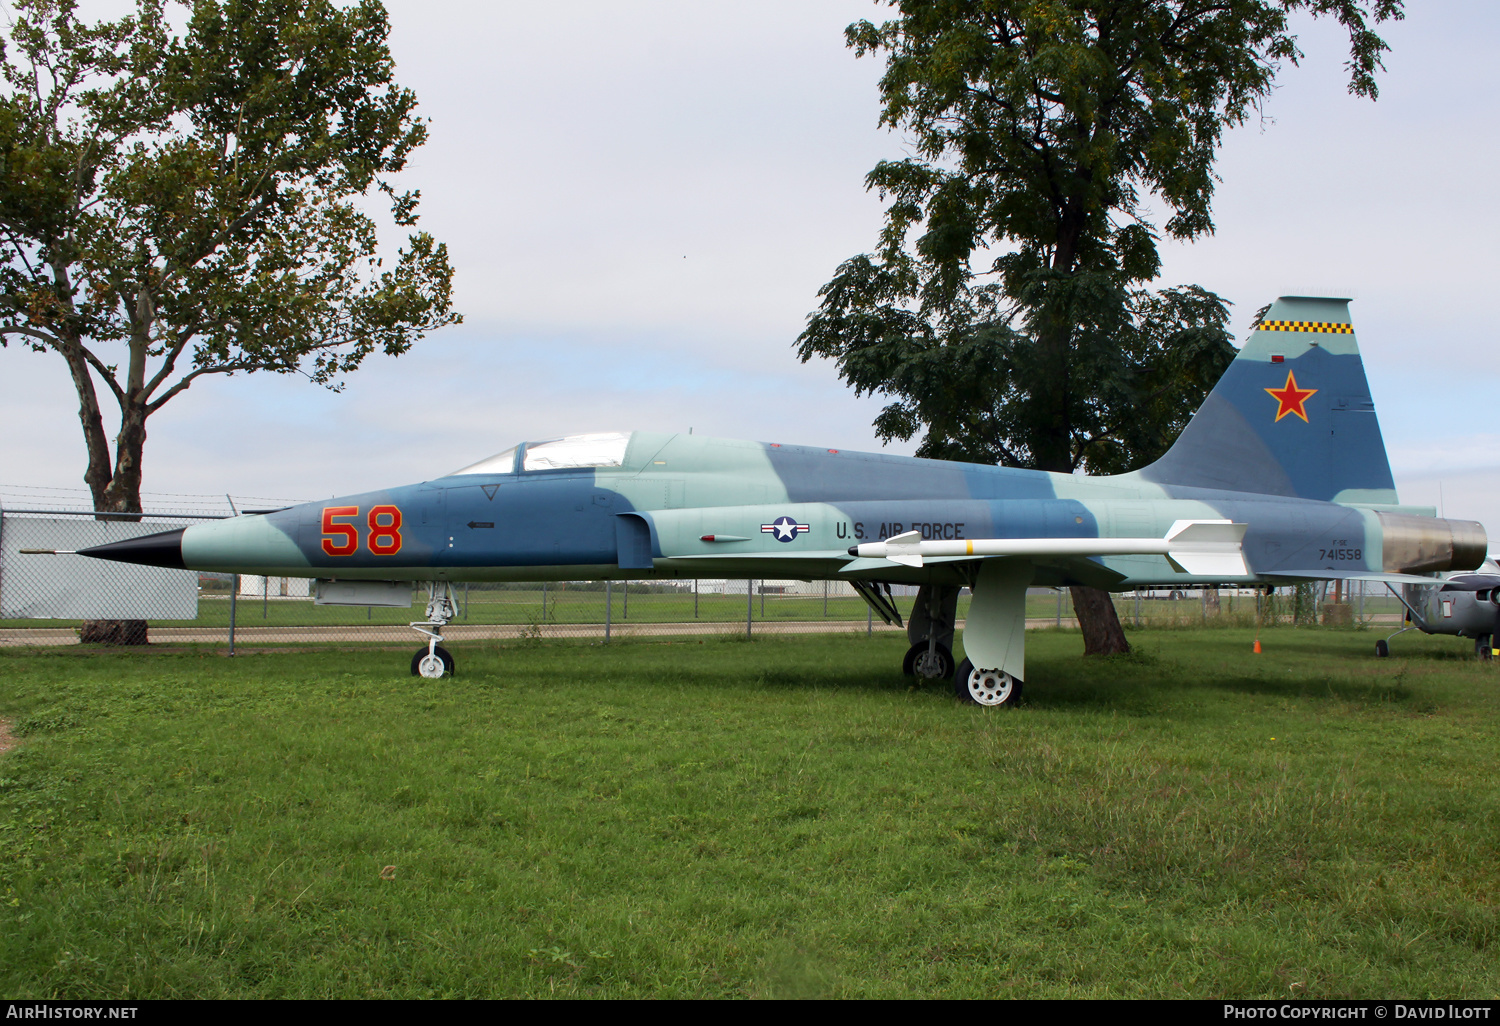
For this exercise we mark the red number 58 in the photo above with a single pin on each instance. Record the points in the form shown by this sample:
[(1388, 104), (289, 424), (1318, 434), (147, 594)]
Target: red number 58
[(341, 539)]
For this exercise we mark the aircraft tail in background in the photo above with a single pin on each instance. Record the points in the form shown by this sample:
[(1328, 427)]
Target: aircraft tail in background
[(1291, 416)]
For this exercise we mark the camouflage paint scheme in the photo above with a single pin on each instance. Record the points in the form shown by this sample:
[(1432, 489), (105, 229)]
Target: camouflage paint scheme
[(1287, 443)]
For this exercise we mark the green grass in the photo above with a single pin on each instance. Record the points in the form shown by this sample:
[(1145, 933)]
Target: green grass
[(783, 817)]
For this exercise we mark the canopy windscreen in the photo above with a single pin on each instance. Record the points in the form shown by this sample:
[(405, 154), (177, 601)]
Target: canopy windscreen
[(500, 463), (604, 449), (599, 450)]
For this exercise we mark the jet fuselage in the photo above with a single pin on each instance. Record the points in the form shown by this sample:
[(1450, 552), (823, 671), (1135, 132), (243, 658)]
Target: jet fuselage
[(651, 515)]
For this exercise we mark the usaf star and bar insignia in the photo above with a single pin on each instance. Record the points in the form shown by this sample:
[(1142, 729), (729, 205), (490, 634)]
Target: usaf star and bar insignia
[(784, 529)]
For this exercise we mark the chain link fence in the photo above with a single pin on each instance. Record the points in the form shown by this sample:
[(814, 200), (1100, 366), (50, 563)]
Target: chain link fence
[(64, 599)]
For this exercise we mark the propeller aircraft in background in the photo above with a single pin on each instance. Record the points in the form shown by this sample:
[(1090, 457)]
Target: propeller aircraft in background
[(1463, 604)]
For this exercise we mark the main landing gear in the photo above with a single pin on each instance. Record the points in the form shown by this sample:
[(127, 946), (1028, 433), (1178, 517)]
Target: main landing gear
[(1383, 646), (928, 660), (1483, 645), (995, 636), (930, 631), (442, 606), (996, 632), (986, 687)]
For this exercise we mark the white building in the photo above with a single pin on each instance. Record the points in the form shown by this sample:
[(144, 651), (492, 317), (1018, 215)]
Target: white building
[(253, 586)]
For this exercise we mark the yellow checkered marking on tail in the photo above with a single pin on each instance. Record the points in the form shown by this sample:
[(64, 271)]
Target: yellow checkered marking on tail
[(1329, 326)]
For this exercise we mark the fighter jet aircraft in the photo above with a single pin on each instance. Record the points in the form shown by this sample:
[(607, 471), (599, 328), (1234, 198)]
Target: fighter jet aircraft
[(1281, 476)]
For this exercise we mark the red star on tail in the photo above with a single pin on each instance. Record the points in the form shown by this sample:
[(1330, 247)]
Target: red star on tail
[(1291, 398)]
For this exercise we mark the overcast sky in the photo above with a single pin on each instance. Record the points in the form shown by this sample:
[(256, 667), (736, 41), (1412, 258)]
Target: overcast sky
[(642, 199)]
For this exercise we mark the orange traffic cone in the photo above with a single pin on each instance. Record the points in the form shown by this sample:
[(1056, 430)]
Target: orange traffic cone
[(1257, 646)]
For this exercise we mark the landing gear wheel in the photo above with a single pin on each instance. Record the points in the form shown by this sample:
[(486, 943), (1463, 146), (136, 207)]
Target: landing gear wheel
[(1382, 649), (438, 664), (1482, 646), (986, 687), (936, 666)]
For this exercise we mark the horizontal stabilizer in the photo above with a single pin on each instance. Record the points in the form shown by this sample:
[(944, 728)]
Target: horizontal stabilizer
[(1316, 574), (1203, 548)]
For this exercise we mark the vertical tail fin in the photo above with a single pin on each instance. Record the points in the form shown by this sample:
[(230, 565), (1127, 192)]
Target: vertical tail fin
[(1291, 416)]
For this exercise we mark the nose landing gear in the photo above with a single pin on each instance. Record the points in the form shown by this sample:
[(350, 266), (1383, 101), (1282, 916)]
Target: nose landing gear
[(436, 663), (442, 606)]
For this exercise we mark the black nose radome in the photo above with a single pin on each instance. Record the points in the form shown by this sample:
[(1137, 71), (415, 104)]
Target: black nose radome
[(164, 549)]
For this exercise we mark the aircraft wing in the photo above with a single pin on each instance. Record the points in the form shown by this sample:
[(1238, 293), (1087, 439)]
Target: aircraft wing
[(1203, 548), (1471, 582)]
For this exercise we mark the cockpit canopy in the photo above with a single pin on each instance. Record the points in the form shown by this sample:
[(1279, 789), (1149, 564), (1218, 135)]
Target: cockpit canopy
[(603, 449)]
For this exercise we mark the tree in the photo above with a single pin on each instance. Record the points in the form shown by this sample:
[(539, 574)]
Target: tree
[(1006, 311), (179, 204)]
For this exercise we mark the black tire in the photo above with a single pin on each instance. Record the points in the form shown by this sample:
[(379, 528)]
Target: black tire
[(441, 652), (916, 661), (975, 688), (1482, 646), (1382, 649)]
